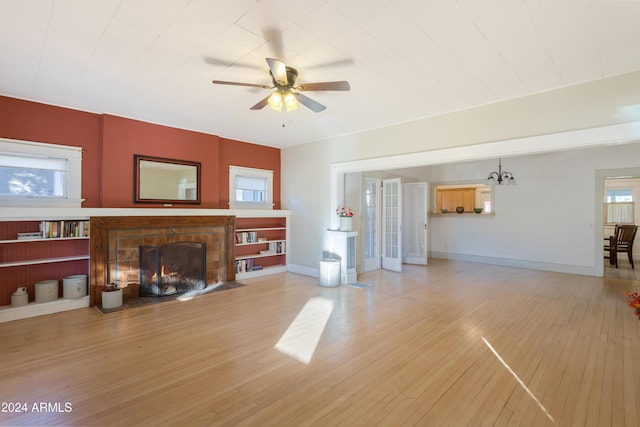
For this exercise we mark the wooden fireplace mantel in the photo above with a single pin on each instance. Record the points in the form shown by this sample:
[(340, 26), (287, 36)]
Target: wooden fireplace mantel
[(102, 226)]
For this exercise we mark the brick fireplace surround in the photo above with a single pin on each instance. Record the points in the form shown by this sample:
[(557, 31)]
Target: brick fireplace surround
[(115, 243)]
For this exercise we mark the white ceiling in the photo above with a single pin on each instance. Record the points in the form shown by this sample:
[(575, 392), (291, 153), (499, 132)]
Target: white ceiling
[(154, 60)]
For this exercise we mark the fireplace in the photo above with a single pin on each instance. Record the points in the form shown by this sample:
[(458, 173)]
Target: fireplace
[(170, 269), (196, 251)]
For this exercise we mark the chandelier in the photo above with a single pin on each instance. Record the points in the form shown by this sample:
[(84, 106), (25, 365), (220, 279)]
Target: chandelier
[(501, 177)]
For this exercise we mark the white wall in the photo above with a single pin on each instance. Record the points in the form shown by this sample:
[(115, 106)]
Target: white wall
[(307, 181), (546, 221)]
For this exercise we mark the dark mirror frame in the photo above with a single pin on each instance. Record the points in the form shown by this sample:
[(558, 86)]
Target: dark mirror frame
[(139, 184)]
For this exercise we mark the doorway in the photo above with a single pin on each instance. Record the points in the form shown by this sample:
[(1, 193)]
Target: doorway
[(394, 223), (620, 198), (415, 218)]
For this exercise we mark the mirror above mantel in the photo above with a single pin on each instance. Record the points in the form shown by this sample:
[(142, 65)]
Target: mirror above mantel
[(167, 181)]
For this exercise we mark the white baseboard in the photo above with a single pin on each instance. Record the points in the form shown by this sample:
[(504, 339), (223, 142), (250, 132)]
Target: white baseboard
[(505, 262), (304, 270), (518, 263)]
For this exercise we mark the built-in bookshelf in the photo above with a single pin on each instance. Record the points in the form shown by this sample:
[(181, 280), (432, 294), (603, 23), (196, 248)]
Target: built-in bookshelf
[(261, 245), (41, 249)]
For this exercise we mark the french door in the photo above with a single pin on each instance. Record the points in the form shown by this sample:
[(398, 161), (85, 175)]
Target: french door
[(392, 224), (371, 244)]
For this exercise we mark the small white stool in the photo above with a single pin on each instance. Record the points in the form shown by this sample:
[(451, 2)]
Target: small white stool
[(329, 272)]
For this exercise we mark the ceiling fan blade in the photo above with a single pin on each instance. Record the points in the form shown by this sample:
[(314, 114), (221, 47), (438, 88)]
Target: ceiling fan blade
[(221, 82), (260, 105), (325, 86), (273, 36), (309, 103), (278, 70)]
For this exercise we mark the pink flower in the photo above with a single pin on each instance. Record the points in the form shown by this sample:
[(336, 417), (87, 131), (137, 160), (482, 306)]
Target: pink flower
[(344, 212)]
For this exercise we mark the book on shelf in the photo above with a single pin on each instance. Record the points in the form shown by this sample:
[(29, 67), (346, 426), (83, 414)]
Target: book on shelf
[(30, 236), (246, 265), (64, 229), (277, 247), (247, 237)]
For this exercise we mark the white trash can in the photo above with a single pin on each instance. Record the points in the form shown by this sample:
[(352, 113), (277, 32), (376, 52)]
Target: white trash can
[(329, 272)]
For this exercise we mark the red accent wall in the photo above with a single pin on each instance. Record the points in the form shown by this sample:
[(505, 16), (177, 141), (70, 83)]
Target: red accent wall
[(237, 153), (109, 143), (32, 121), (122, 138)]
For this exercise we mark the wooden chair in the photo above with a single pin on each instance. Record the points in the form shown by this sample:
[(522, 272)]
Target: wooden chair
[(620, 243)]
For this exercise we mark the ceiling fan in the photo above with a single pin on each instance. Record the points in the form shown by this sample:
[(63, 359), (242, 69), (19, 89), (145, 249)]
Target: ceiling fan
[(287, 93)]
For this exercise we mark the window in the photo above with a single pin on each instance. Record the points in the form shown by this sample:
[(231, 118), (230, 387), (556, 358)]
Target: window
[(619, 206), (250, 188), (37, 174), (32, 177), (619, 195)]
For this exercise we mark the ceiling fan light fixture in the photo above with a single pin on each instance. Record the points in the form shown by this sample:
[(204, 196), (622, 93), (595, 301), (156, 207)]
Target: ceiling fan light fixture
[(283, 80), (275, 101), (290, 101), (282, 101)]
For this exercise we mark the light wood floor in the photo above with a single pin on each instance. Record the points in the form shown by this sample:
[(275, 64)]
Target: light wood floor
[(452, 344), (624, 270)]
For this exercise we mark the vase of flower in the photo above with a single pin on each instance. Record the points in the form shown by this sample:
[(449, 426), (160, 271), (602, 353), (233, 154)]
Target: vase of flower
[(346, 219), (346, 223)]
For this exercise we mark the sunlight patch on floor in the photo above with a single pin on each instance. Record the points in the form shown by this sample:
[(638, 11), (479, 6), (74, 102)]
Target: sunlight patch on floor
[(189, 295), (493, 350), (303, 334)]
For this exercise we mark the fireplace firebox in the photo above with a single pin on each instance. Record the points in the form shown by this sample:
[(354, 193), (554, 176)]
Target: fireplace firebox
[(173, 268)]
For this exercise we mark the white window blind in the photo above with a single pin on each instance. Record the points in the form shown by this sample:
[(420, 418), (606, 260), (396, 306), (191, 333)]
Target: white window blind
[(250, 188)]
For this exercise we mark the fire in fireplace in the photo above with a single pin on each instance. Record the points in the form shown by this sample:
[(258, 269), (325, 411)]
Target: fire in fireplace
[(173, 268)]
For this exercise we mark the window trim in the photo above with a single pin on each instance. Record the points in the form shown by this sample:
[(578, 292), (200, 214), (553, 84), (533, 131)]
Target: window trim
[(267, 174), (73, 157)]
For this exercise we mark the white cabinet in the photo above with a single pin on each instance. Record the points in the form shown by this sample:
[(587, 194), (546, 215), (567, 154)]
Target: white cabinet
[(343, 245)]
